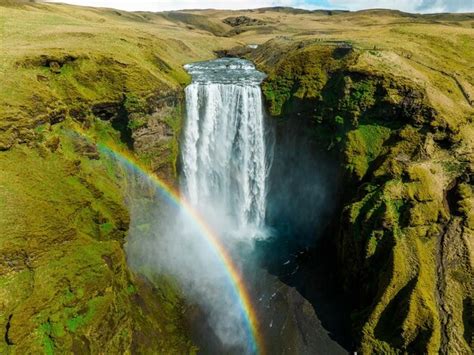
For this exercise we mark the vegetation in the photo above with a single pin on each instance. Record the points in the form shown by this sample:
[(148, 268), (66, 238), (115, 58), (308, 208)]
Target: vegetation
[(302, 75), (404, 174), (73, 78), (389, 93), (65, 283)]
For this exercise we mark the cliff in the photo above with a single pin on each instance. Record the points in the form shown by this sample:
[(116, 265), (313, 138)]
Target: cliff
[(74, 80), (405, 237)]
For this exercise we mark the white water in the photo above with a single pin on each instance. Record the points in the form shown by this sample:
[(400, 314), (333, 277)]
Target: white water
[(223, 150), (224, 176), (225, 161)]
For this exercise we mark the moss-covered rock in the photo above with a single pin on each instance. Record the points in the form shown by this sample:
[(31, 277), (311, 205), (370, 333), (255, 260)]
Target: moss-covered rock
[(65, 284), (64, 275), (395, 260)]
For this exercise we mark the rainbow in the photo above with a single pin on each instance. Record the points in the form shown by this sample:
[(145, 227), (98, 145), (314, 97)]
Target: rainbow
[(235, 278)]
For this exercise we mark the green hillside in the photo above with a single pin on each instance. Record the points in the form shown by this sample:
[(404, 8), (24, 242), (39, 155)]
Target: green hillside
[(389, 95)]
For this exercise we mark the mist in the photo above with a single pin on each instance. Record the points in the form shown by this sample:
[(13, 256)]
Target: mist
[(224, 167), (164, 241), (251, 180)]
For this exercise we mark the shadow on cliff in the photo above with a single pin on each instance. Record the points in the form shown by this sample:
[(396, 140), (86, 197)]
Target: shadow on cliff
[(303, 204)]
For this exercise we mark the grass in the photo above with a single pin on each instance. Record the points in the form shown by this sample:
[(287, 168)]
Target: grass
[(302, 74), (68, 213), (364, 145), (101, 56), (387, 109), (48, 345), (389, 106), (73, 268)]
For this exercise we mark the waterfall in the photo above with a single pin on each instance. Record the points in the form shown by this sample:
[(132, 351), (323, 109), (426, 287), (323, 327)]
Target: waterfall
[(224, 165), (226, 151), (224, 158)]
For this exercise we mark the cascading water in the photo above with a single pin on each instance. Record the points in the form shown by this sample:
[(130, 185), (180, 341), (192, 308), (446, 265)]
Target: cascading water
[(225, 155), (223, 150), (224, 165)]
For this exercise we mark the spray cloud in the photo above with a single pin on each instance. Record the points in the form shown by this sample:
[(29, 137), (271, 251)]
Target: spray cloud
[(225, 163)]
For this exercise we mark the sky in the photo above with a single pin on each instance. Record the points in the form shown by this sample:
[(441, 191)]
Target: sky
[(422, 6)]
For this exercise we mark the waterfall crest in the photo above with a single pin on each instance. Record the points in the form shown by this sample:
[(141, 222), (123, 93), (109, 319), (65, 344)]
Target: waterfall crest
[(224, 158)]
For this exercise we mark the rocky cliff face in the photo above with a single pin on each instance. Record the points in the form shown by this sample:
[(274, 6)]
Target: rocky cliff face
[(65, 284), (156, 132), (404, 241)]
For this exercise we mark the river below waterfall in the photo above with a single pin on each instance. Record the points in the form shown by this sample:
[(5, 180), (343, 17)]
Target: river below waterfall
[(227, 155)]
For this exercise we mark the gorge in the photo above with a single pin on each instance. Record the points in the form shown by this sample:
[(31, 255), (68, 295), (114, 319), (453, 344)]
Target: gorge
[(227, 155)]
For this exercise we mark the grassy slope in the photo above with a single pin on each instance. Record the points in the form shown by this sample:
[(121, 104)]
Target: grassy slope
[(63, 274), (397, 242), (103, 55), (64, 279), (58, 62)]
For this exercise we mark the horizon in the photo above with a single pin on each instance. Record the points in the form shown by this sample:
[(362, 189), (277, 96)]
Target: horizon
[(407, 6)]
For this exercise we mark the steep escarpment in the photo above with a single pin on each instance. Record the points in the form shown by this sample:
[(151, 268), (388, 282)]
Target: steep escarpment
[(80, 87), (404, 240), (65, 281), (63, 270)]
